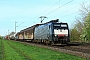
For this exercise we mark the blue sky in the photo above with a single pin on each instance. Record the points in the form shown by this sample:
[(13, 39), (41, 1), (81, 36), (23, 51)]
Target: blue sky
[(29, 11)]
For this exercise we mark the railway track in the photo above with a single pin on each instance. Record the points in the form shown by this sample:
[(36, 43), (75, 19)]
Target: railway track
[(77, 50)]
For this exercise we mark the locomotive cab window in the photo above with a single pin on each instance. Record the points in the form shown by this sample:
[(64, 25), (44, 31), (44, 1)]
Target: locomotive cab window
[(60, 26), (64, 26), (56, 26)]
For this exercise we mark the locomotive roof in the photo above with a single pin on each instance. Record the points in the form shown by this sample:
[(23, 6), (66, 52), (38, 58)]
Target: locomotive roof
[(53, 21)]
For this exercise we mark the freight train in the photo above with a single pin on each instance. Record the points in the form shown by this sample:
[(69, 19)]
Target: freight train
[(52, 32)]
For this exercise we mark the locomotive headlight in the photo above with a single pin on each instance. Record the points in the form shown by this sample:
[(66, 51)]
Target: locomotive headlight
[(55, 35)]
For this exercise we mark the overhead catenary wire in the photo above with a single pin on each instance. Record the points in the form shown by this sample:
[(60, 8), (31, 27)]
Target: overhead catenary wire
[(70, 10), (58, 7), (46, 10), (51, 7), (69, 14)]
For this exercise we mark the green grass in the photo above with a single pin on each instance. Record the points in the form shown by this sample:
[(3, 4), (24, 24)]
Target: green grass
[(18, 51), (44, 54), (11, 54), (0, 49)]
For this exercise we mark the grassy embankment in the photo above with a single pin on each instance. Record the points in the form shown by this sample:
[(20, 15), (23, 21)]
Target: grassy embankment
[(9, 53), (18, 51), (1, 50)]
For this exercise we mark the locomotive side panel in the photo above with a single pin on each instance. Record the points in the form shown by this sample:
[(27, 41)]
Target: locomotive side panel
[(40, 32)]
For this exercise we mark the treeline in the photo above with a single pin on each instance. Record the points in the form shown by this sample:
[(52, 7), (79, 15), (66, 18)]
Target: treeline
[(0, 37), (81, 29)]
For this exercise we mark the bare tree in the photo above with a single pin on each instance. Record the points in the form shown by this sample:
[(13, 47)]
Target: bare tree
[(82, 25)]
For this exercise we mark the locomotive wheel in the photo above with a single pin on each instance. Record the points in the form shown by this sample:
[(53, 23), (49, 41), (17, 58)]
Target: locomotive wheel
[(52, 43), (47, 42)]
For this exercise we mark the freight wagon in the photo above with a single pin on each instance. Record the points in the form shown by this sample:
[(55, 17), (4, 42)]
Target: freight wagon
[(26, 34)]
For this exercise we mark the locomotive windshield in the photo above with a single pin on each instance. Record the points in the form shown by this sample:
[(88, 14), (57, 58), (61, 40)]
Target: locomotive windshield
[(61, 26)]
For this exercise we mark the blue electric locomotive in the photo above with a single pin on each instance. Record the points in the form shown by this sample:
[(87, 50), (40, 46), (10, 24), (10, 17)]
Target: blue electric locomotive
[(52, 32)]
